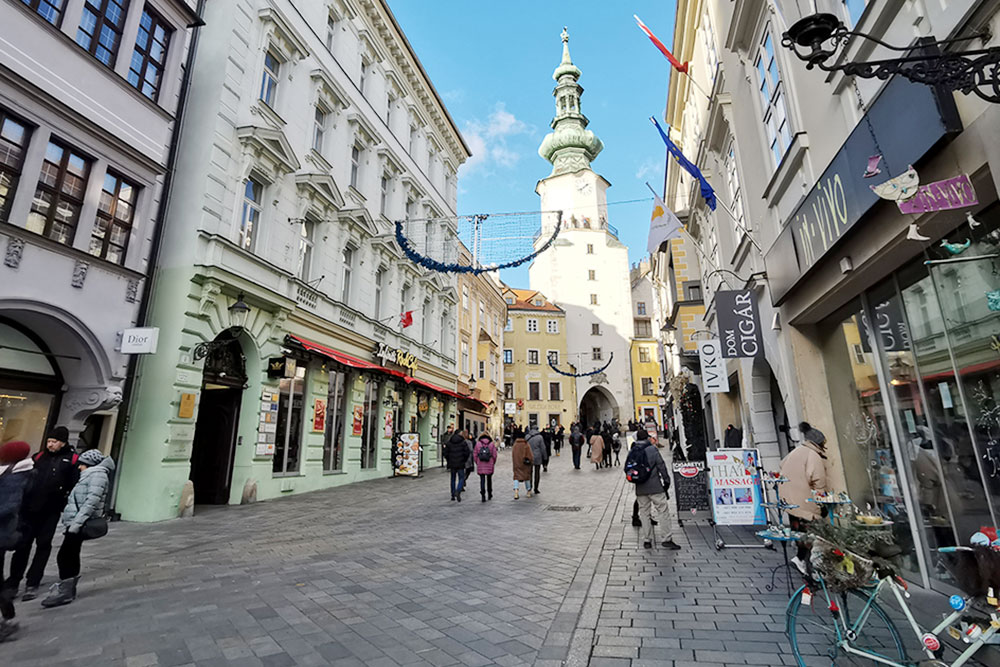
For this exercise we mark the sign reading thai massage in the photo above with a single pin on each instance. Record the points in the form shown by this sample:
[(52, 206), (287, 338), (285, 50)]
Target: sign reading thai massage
[(738, 314), (951, 193), (737, 496), (394, 355)]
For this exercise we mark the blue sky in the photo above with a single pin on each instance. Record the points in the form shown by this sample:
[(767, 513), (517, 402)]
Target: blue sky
[(492, 64)]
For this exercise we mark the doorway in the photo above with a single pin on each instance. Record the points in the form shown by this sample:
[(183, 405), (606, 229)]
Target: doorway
[(216, 430)]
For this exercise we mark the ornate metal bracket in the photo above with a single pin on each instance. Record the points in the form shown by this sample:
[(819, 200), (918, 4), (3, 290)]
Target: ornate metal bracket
[(816, 39), (205, 348)]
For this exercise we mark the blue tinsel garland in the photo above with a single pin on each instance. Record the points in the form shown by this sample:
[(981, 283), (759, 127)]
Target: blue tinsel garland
[(441, 267), (582, 375)]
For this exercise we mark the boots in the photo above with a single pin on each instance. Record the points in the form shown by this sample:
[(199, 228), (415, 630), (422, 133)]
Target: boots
[(8, 630), (61, 593)]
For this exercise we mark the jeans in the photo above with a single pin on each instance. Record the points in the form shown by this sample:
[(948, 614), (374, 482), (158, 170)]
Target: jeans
[(527, 485), (538, 476), (486, 484), (38, 529), (648, 505), (576, 456), (457, 481), (68, 557)]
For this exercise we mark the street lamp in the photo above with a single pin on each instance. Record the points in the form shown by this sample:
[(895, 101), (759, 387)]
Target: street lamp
[(238, 314), (817, 38)]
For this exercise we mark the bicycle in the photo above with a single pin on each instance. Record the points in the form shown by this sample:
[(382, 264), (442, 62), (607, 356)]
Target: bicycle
[(818, 633)]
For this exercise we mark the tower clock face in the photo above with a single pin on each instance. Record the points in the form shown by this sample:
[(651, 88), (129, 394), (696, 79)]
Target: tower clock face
[(583, 186)]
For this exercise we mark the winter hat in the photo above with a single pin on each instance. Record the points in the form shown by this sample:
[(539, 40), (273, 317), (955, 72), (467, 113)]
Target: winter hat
[(91, 457), (14, 451), (813, 435), (60, 433), (642, 434)]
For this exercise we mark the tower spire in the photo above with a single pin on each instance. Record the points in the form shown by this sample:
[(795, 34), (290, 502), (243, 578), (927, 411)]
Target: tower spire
[(570, 146)]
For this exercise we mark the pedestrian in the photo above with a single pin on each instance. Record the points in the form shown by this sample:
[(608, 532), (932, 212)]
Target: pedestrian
[(558, 441), (547, 438), (470, 461), (55, 475), (596, 449), (576, 445), (607, 436), (15, 475), (456, 453), (588, 435), (616, 446), (523, 461), (538, 454), (83, 519), (805, 470), (652, 479), (485, 454), (444, 444)]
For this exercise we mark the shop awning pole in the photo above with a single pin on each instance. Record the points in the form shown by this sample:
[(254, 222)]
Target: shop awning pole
[(956, 260)]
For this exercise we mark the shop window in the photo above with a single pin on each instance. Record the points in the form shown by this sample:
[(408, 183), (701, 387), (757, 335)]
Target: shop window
[(55, 210), (150, 55), (113, 226), (100, 29), (25, 407), (336, 417), (534, 391), (369, 426), (14, 137), (288, 436)]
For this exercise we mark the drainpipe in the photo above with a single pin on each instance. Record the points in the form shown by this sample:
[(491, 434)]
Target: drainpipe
[(121, 425)]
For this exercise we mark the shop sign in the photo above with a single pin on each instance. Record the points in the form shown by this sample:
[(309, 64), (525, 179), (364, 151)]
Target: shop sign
[(891, 326), (280, 367), (952, 193), (737, 495), (140, 341), (358, 420), (690, 487), (186, 408), (738, 314), (394, 355), (423, 405), (510, 408), (713, 367), (319, 414)]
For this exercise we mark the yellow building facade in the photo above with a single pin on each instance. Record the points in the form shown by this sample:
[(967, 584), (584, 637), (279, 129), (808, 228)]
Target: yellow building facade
[(535, 332), (645, 379)]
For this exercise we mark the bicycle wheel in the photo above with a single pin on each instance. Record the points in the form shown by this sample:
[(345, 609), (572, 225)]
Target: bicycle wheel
[(812, 632)]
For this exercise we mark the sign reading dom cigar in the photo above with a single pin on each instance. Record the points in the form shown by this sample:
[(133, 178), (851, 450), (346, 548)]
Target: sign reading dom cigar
[(739, 324)]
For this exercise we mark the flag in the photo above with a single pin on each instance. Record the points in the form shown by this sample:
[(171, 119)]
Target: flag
[(706, 189), (406, 319), (678, 65), (663, 225)]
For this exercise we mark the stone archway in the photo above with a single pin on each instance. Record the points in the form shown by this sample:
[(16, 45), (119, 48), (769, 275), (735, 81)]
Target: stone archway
[(596, 405)]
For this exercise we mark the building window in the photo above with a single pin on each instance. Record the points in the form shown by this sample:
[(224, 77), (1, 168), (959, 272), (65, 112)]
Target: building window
[(14, 137), (345, 292), (643, 355), (404, 298), (288, 430), (508, 356), (859, 355), (465, 359), (253, 196), (509, 326), (306, 249), (534, 391), (465, 297), (482, 369), (113, 225), (331, 31), (595, 329), (363, 78), (383, 202), (100, 30), (150, 55), (647, 387), (552, 326), (532, 420), (595, 353), (336, 416), (355, 164), (509, 300), (377, 301), (693, 291), (733, 182), (533, 357), (772, 98), (640, 307), (590, 248), (642, 329), (55, 210), (413, 140), (593, 299), (532, 325), (369, 426), (320, 118), (482, 315), (591, 275), (50, 10), (508, 390), (553, 357), (425, 322), (555, 391)]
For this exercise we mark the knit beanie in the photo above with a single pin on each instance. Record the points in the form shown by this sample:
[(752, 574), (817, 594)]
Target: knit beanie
[(813, 435), (14, 451), (642, 434), (60, 433), (91, 457)]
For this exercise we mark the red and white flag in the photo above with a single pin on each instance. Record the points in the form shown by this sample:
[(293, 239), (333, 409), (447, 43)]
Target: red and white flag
[(406, 319), (677, 65)]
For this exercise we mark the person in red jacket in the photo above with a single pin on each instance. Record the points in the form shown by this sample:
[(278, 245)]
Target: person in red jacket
[(485, 456)]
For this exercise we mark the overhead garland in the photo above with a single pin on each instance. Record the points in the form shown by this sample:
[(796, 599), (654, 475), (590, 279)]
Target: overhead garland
[(583, 375)]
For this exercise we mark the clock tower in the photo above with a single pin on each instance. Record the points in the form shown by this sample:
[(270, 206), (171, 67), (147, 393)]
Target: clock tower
[(586, 270)]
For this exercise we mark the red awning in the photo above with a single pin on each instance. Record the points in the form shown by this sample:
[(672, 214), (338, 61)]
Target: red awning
[(981, 367)]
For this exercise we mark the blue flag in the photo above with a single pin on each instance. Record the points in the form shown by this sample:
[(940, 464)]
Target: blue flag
[(706, 189)]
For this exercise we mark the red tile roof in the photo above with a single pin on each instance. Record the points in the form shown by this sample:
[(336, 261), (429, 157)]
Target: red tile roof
[(524, 300)]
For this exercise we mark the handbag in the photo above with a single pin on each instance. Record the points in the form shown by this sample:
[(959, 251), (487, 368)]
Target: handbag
[(94, 528), (527, 461)]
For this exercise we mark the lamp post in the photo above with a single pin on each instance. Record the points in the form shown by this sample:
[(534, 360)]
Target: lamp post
[(816, 39), (238, 314)]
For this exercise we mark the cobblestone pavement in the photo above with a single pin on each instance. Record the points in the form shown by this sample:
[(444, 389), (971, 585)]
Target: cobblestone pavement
[(392, 573)]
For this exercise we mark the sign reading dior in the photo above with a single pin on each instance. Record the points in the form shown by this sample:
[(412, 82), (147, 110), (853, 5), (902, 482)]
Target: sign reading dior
[(739, 323)]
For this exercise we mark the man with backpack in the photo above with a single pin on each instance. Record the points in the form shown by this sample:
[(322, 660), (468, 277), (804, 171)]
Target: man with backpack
[(576, 441), (645, 468)]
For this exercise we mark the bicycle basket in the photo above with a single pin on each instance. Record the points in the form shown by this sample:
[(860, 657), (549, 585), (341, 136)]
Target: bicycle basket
[(842, 570), (975, 571)]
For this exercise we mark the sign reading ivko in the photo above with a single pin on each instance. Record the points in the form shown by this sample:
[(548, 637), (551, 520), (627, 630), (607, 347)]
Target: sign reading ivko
[(713, 367), (387, 354), (738, 315)]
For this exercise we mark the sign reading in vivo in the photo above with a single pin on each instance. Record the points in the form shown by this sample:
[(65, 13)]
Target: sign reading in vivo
[(739, 323), (713, 367)]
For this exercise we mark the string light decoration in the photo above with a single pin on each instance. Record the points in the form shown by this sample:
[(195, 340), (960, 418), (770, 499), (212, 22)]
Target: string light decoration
[(603, 368)]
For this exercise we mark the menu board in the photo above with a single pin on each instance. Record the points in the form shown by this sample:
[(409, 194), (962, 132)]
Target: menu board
[(690, 486), (736, 496), (406, 455), (267, 428)]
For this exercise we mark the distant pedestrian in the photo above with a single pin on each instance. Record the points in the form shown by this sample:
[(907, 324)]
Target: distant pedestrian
[(523, 461), (82, 517), (470, 462), (539, 455), (805, 470), (456, 453), (651, 492), (15, 474), (485, 454), (557, 441), (607, 435), (444, 444), (547, 438), (55, 475), (596, 450), (576, 441), (616, 446)]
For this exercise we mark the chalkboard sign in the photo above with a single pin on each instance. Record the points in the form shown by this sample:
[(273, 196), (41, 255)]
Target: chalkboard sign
[(690, 486)]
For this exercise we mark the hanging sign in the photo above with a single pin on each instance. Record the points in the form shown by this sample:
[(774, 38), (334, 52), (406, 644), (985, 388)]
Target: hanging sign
[(280, 367), (951, 193), (140, 341), (423, 405), (891, 327), (713, 367), (394, 355), (736, 496), (510, 408), (690, 487), (738, 314)]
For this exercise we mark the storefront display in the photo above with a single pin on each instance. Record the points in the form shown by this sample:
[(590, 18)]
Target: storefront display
[(406, 455)]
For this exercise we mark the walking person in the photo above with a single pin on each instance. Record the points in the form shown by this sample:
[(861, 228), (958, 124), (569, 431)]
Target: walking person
[(596, 449), (539, 456), (485, 454), (805, 470), (470, 462), (83, 519), (576, 445), (652, 479), (557, 441), (456, 454), (56, 473), (547, 438), (616, 446), (15, 475), (608, 439), (523, 461), (444, 444)]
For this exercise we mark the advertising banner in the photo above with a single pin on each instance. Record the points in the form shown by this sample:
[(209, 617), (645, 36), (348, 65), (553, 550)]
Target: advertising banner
[(406, 458), (737, 495), (738, 314), (690, 486), (319, 414), (713, 367)]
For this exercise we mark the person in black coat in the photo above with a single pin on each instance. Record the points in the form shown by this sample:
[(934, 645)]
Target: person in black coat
[(457, 453), (55, 475), (547, 438), (15, 473)]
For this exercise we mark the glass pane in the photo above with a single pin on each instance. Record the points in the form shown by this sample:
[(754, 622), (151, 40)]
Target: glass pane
[(12, 131), (24, 415)]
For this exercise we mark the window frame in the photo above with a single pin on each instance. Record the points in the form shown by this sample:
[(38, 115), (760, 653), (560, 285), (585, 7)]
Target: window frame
[(591, 274), (377, 296), (533, 357), (357, 151), (640, 307), (593, 300), (156, 21), (336, 418), (509, 325), (595, 329), (384, 183), (13, 173), (508, 390), (36, 5), (332, 25), (244, 232), (529, 322), (644, 356), (647, 386), (100, 12), (596, 354), (771, 95), (307, 244), (590, 248), (552, 326), (321, 116), (346, 276), (112, 218), (552, 357), (481, 370), (557, 396), (537, 394), (56, 191), (508, 355)]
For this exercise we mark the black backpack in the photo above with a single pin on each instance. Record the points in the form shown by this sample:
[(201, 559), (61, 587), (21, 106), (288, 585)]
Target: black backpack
[(484, 453), (637, 468)]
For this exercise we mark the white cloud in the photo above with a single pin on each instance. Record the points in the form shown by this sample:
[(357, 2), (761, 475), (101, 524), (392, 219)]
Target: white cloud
[(647, 167), (488, 140)]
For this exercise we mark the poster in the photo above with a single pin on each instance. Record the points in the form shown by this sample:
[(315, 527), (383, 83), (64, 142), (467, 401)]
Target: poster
[(736, 495), (690, 486), (388, 425), (359, 420), (406, 459), (319, 414)]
